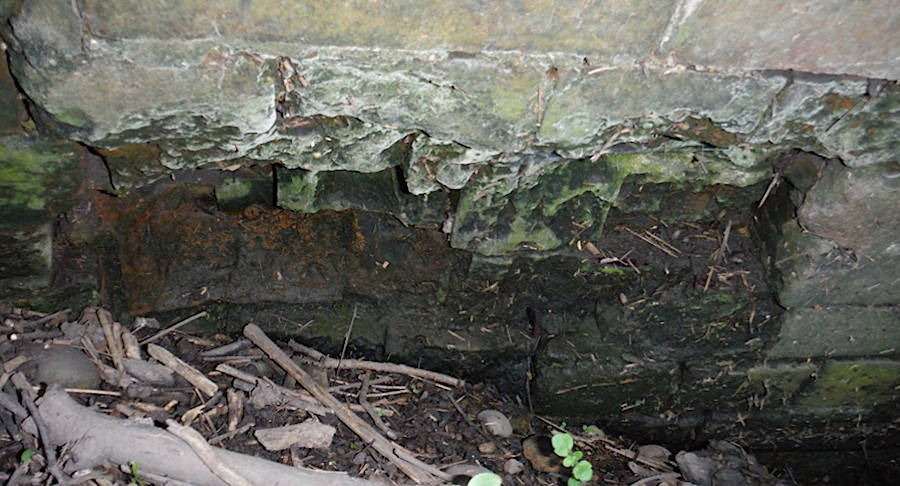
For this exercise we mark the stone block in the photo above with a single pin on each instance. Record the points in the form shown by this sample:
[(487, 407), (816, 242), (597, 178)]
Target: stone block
[(837, 331), (864, 383), (577, 374), (520, 25), (835, 254), (829, 36), (866, 220)]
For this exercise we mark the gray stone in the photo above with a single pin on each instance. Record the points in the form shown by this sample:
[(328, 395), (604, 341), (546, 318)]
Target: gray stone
[(838, 331), (495, 422), (67, 367), (866, 220), (771, 34), (843, 254)]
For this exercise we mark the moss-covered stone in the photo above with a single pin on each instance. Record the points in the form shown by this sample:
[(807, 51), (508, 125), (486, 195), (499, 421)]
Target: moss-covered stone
[(38, 179), (382, 192), (531, 203), (863, 383), (774, 385)]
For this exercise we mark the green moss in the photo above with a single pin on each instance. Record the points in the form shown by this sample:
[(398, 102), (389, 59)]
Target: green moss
[(859, 383), (33, 179), (234, 189), (297, 190)]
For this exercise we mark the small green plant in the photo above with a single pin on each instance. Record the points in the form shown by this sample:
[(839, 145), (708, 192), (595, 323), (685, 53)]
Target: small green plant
[(135, 476), (563, 446), (26, 456), (485, 479)]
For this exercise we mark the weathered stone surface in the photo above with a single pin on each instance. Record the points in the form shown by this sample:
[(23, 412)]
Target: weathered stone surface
[(496, 212), (584, 105), (866, 220), (12, 111), (838, 332), (591, 165), (200, 255), (467, 26), (834, 254), (863, 383), (770, 34)]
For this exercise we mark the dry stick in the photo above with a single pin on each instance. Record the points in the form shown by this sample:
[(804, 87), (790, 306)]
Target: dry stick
[(24, 387), (772, 185), (113, 340), (364, 402), (347, 336), (327, 362), (662, 241), (206, 454), (651, 242), (417, 470), (186, 371), (311, 406), (226, 349), (227, 435), (130, 343), (174, 327), (13, 406), (49, 317)]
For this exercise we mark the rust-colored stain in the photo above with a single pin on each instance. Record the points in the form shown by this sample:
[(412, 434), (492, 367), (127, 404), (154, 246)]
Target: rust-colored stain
[(178, 250), (838, 102)]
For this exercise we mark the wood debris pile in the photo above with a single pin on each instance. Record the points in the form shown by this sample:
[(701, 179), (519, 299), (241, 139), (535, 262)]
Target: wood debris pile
[(92, 402)]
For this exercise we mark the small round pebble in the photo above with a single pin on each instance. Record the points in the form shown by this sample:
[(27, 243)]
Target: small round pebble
[(495, 422), (513, 467), (487, 447)]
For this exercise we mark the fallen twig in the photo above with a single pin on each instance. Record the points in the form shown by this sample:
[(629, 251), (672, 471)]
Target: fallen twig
[(174, 327), (417, 470), (651, 242), (186, 371), (328, 362), (308, 402), (373, 414)]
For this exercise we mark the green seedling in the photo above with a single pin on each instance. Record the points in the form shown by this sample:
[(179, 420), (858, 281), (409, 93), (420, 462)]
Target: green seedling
[(485, 479), (135, 476), (26, 456), (563, 446)]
